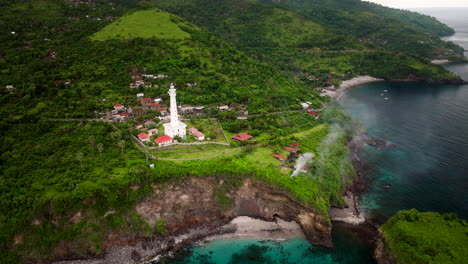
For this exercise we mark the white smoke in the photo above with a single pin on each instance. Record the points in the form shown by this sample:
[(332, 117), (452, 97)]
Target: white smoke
[(303, 161)]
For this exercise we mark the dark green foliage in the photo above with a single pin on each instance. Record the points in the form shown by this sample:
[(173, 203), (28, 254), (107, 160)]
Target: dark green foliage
[(415, 237), (285, 33)]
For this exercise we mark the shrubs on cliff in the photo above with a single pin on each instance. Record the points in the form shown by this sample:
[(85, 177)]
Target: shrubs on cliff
[(414, 237)]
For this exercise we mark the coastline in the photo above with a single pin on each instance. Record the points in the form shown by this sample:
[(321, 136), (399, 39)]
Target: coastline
[(335, 94)]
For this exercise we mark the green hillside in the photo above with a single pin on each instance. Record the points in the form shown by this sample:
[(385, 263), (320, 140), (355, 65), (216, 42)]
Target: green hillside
[(145, 24), (414, 237), (362, 35)]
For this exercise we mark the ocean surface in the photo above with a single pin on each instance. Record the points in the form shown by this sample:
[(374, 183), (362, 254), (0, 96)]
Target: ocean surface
[(427, 168)]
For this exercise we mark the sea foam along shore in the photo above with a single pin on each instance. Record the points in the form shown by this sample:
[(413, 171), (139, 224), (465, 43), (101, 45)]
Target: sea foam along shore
[(345, 85), (251, 228)]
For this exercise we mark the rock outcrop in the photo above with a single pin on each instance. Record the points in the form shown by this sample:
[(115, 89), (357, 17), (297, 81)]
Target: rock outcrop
[(198, 207), (381, 252)]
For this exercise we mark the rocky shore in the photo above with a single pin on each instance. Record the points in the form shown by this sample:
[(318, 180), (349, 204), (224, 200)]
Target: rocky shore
[(192, 212)]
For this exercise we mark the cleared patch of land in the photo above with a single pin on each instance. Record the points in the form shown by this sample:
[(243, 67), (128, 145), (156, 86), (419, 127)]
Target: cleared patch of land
[(144, 24)]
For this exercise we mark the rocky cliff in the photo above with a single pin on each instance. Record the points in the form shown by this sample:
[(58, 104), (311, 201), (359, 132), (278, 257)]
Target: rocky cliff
[(197, 207)]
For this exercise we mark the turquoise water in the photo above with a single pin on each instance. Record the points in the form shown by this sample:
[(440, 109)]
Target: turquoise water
[(427, 169), (350, 248)]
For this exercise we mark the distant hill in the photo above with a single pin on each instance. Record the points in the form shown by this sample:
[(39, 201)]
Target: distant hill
[(361, 36), (145, 24)]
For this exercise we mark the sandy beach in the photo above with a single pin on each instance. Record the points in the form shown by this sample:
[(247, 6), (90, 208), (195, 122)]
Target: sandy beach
[(250, 228), (345, 85)]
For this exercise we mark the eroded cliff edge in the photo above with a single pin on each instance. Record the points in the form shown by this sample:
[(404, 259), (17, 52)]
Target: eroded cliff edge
[(195, 207)]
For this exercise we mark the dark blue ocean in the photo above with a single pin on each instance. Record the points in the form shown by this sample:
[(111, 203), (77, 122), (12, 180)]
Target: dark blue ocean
[(427, 169)]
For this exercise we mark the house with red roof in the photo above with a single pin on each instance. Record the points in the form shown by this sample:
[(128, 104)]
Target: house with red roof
[(197, 134), (146, 101), (143, 137), (163, 141), (138, 125), (154, 106), (118, 107), (294, 145), (279, 157), (242, 137), (316, 115), (293, 150)]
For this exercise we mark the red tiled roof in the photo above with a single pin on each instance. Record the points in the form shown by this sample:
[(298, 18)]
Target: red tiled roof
[(163, 139), (143, 136), (276, 156), (145, 100), (242, 137), (294, 145), (290, 149), (155, 105), (138, 124), (118, 105), (162, 109), (198, 134), (314, 114), (123, 114)]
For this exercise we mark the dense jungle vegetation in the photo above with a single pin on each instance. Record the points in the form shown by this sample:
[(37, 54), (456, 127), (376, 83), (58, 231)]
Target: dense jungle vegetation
[(73, 59), (415, 237), (280, 32)]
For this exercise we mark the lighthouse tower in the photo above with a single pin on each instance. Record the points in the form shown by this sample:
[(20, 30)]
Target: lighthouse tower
[(175, 127)]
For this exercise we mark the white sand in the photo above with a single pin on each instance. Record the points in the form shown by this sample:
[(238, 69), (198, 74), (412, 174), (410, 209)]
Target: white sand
[(345, 85), (440, 62), (247, 227)]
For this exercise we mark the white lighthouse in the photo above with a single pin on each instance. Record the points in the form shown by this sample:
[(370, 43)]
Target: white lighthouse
[(175, 127)]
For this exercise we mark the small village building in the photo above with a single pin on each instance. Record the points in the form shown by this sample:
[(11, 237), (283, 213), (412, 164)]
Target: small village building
[(186, 109), (121, 117), (148, 85), (223, 108), (146, 101), (152, 132), (154, 106), (294, 145), (133, 85), (119, 107), (315, 115), (163, 111), (10, 88), (293, 150), (139, 125), (143, 137), (149, 123), (140, 95), (279, 157), (158, 100), (139, 112), (305, 105), (197, 134), (242, 137), (139, 82), (163, 141), (135, 75)]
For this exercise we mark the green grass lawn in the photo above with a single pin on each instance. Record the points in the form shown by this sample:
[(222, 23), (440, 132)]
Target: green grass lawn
[(191, 152), (144, 24)]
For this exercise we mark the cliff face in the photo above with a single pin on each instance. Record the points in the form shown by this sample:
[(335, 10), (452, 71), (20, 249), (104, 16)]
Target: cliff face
[(196, 203), (381, 252), (196, 207)]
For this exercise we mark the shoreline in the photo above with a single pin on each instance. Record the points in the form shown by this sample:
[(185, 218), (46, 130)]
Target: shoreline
[(336, 93)]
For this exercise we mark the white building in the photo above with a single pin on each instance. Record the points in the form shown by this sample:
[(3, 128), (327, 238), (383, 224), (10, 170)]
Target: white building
[(175, 127)]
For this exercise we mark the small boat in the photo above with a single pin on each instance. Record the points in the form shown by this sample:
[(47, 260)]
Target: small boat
[(385, 90), (386, 98)]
